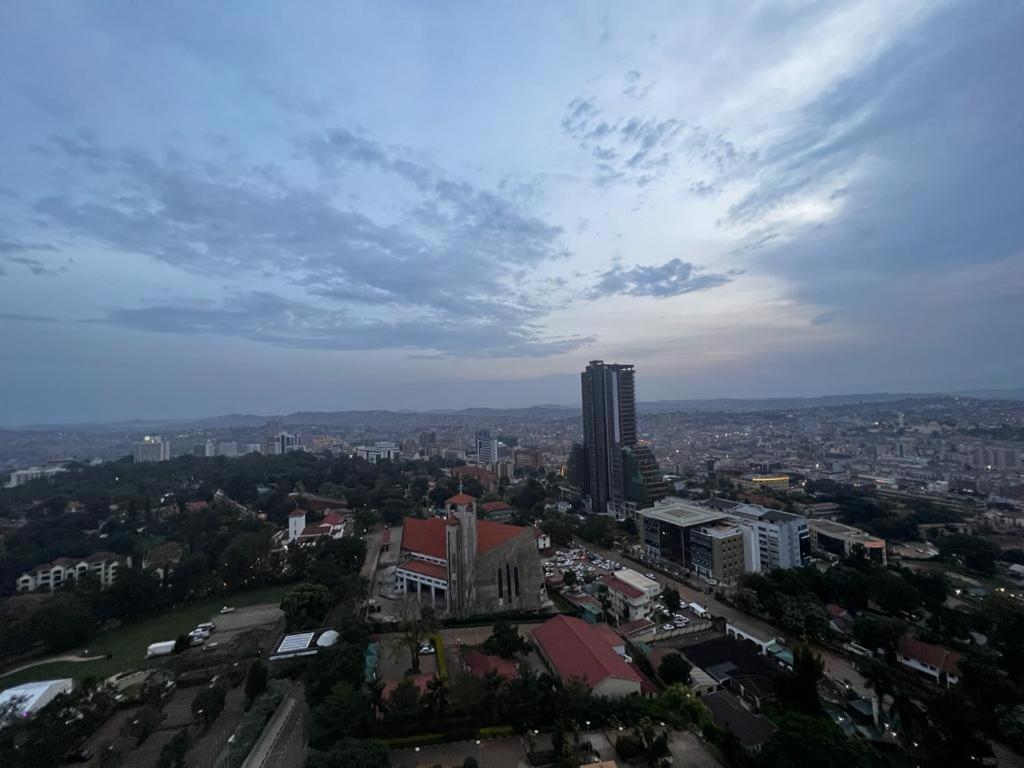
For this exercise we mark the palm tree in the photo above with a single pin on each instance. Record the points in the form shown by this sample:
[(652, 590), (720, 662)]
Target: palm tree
[(375, 700), (437, 695)]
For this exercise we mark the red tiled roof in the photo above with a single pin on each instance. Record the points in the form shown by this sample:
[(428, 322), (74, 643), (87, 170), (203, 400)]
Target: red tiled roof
[(494, 506), (333, 518), (579, 649), (424, 536), (479, 473), (621, 587), (433, 570), (195, 506), (490, 534), (427, 536), (935, 655), (480, 664), (315, 530), (460, 498)]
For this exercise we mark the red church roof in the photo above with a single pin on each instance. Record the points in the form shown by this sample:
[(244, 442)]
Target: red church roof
[(460, 498), (433, 570), (426, 537), (579, 649)]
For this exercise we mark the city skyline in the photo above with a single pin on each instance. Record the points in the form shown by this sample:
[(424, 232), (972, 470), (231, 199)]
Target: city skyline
[(206, 211)]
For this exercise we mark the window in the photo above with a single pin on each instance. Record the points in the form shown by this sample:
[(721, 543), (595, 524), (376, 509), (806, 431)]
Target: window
[(508, 579), (515, 572), (500, 592)]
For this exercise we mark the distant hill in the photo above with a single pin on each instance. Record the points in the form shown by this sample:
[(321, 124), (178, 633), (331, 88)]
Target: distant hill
[(776, 403), (546, 411)]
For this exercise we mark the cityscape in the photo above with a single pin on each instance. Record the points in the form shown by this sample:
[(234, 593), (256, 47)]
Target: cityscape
[(537, 385)]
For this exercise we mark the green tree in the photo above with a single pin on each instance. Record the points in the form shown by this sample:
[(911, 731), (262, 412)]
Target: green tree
[(255, 680), (671, 597), (569, 577), (305, 605), (404, 701), (893, 594), (343, 713), (172, 755), (674, 668), (351, 753), (505, 641), (208, 704), (798, 691)]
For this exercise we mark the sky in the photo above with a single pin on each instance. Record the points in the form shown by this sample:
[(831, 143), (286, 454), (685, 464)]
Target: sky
[(265, 207)]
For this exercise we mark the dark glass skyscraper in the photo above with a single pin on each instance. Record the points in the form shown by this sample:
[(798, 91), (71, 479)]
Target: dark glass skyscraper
[(609, 425)]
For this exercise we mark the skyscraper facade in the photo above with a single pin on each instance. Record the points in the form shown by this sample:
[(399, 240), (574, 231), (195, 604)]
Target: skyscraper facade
[(486, 448), (609, 425)]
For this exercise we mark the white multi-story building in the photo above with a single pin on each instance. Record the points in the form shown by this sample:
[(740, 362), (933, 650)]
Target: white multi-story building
[(103, 565), (151, 448), (22, 476), (631, 594), (228, 448), (771, 539), (382, 450)]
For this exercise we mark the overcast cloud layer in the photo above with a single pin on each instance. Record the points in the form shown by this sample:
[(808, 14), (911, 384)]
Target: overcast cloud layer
[(250, 207)]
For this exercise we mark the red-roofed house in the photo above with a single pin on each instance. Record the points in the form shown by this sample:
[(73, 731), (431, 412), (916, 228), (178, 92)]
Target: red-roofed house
[(473, 566), (938, 663), (590, 652), (485, 477), (498, 511)]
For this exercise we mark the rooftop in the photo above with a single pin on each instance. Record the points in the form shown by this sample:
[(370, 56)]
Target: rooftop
[(681, 513), (426, 537), (729, 713), (582, 650)]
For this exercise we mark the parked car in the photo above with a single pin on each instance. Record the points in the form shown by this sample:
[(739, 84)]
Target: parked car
[(228, 609)]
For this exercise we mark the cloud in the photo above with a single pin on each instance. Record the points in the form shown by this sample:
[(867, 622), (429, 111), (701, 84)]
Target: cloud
[(673, 278), (639, 149), (446, 261), (13, 253), (266, 317), (16, 317)]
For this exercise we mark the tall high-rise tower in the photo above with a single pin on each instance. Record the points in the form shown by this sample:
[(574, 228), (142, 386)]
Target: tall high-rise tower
[(609, 425)]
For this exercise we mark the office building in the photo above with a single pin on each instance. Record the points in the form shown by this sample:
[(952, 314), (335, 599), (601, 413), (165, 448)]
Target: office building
[(22, 476), (609, 426), (151, 448), (227, 448), (207, 449), (486, 448), (669, 527), (772, 539), (526, 459), (835, 540), (382, 450), (716, 551)]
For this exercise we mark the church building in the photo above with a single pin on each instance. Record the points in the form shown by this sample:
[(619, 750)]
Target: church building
[(468, 565)]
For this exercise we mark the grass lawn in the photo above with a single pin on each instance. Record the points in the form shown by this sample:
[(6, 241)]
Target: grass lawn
[(128, 642)]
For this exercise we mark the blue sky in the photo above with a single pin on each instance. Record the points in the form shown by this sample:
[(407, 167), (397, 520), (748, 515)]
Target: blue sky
[(267, 207)]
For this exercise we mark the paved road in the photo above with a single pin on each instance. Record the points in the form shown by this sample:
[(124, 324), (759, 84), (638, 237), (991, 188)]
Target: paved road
[(50, 660), (837, 667)]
